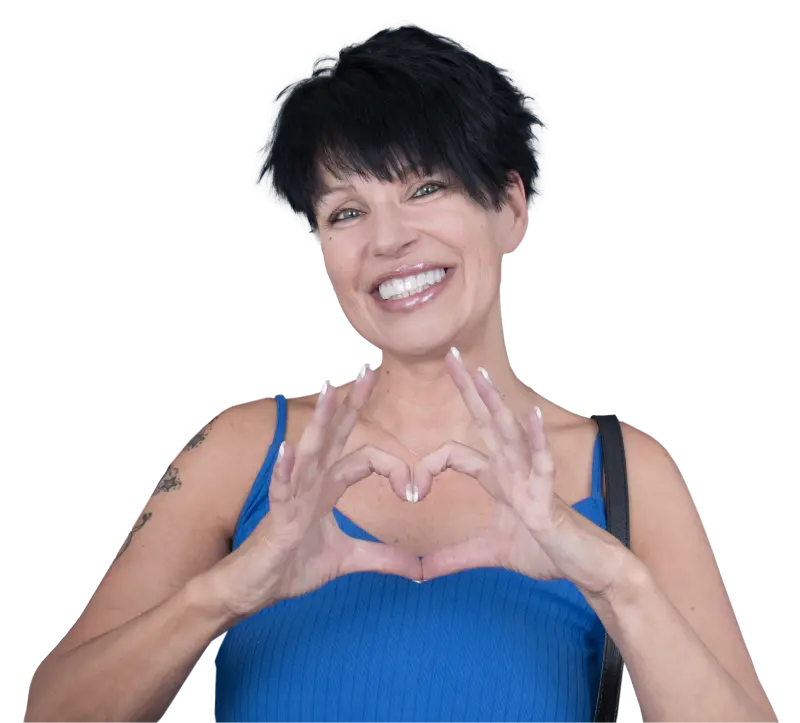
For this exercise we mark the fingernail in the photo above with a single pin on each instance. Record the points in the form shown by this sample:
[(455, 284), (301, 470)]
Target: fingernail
[(538, 414), (280, 450), (485, 375), (412, 493), (363, 371), (455, 353), (419, 582), (323, 392)]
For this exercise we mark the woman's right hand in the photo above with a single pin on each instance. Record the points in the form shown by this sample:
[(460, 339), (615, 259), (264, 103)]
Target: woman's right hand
[(298, 546)]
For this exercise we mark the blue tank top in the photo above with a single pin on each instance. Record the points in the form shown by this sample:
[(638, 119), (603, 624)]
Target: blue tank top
[(477, 645)]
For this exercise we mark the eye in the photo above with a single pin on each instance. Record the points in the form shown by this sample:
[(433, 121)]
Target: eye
[(334, 218)]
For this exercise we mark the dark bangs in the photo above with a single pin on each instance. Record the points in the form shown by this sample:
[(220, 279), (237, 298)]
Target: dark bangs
[(404, 102)]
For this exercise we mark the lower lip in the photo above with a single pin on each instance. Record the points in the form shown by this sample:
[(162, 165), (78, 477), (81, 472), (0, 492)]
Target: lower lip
[(410, 303)]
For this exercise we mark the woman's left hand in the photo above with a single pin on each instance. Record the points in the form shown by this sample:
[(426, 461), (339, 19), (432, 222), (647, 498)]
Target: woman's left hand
[(533, 531)]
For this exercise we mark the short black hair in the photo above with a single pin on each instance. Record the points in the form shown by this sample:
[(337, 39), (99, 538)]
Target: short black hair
[(404, 100)]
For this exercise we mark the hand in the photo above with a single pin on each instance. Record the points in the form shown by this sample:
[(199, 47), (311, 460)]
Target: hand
[(533, 531), (298, 546)]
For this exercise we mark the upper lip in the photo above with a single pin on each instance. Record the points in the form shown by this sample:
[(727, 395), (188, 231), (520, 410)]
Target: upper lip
[(405, 270)]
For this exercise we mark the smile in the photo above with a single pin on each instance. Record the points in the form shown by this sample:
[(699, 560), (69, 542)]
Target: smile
[(408, 297)]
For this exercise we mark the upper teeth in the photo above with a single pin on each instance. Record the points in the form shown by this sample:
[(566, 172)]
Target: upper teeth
[(400, 288)]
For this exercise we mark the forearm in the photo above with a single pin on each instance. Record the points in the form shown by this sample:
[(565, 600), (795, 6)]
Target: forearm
[(134, 671), (674, 674)]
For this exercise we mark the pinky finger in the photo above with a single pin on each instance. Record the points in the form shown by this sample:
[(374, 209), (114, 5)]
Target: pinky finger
[(535, 429), (280, 486), (540, 447)]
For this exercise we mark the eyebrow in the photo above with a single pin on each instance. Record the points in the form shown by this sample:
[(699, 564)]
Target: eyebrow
[(328, 190), (410, 176)]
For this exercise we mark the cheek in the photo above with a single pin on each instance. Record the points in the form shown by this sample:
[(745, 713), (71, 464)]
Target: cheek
[(342, 272)]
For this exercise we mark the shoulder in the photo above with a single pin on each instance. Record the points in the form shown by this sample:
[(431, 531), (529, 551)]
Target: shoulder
[(661, 506), (230, 449), (241, 428)]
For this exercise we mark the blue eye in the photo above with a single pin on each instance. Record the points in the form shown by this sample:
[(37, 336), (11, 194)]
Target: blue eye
[(333, 219)]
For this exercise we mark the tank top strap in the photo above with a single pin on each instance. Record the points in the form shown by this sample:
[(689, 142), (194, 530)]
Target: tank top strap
[(280, 427), (597, 470), (256, 505)]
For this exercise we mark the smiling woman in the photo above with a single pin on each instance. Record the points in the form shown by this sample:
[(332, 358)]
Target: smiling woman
[(434, 539)]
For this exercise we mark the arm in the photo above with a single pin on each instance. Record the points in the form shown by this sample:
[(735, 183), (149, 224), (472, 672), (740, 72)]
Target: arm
[(674, 673), (134, 671), (156, 610), (669, 613)]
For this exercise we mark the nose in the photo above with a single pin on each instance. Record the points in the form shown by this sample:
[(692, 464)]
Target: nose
[(391, 237)]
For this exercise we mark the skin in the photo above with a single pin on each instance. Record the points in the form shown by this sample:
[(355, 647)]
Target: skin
[(392, 224), (663, 601)]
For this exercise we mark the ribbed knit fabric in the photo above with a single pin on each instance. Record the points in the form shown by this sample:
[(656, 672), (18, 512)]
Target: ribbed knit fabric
[(484, 644)]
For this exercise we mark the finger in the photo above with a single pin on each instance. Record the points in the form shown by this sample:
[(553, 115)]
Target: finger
[(380, 557), (361, 463), (280, 485), (472, 553), (542, 458), (452, 455), (506, 423), (314, 435), (465, 384), (346, 415)]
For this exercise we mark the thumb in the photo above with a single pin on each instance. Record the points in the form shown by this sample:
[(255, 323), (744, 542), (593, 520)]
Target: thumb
[(379, 557)]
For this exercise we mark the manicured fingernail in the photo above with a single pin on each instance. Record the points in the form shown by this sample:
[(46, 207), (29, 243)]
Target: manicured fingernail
[(485, 375), (455, 353), (412, 493), (417, 581), (280, 450), (323, 392), (363, 371), (538, 414)]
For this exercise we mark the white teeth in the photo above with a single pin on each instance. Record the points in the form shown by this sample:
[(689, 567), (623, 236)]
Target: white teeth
[(401, 288)]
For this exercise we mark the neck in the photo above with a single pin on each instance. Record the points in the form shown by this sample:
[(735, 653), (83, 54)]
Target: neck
[(417, 401)]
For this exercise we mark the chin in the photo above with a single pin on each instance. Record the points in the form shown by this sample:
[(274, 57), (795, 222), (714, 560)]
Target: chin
[(418, 346)]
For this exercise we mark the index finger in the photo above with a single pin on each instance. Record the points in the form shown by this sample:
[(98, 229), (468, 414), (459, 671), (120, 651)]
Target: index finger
[(332, 423), (451, 455), (361, 463), (466, 385), (343, 422)]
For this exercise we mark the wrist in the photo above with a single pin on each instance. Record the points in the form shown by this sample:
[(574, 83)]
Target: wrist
[(631, 584), (627, 586), (204, 598)]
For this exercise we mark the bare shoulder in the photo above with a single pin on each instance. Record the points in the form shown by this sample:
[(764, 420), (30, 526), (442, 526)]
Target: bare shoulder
[(186, 525), (299, 411), (243, 434)]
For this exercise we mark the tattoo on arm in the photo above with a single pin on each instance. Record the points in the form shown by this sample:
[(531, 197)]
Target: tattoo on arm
[(138, 526), (168, 482), (196, 439)]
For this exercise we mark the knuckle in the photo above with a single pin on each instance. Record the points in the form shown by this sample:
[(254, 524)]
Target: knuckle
[(335, 474)]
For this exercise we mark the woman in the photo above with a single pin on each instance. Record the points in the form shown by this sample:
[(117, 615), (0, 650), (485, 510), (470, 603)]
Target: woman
[(413, 162)]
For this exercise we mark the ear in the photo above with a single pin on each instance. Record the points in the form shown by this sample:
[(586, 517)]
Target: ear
[(516, 210)]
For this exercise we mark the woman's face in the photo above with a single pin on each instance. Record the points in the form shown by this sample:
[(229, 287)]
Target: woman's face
[(372, 228)]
